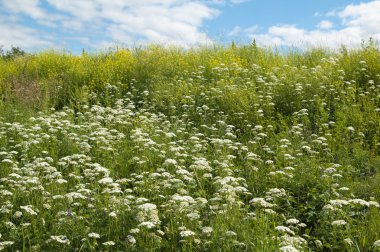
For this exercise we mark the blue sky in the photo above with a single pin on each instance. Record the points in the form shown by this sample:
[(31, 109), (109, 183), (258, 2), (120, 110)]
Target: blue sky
[(99, 24)]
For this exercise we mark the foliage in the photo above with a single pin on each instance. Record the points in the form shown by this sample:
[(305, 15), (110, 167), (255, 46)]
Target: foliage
[(236, 148)]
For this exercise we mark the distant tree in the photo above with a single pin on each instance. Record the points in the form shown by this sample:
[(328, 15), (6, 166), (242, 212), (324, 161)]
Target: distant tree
[(254, 44), (14, 52), (371, 43), (233, 45)]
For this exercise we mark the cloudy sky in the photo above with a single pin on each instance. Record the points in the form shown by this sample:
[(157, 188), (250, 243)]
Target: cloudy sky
[(98, 24)]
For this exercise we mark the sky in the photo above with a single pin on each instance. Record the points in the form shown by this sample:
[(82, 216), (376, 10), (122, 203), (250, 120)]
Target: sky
[(96, 25)]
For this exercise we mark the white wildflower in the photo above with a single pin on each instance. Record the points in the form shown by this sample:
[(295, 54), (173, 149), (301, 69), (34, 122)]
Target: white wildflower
[(231, 233), (339, 203), (105, 181), (376, 244), (284, 229), (6, 193), (60, 239), (270, 211), (373, 203), (318, 243), (288, 248), (134, 231), (7, 161), (131, 239), (61, 181), (147, 224), (359, 202), (5, 244), (147, 207), (170, 161), (46, 206), (261, 202), (94, 235), (193, 216), (292, 221), (339, 223), (108, 243), (302, 225), (17, 214), (344, 189), (186, 233), (207, 230), (28, 209), (160, 232), (350, 128), (348, 241), (269, 162)]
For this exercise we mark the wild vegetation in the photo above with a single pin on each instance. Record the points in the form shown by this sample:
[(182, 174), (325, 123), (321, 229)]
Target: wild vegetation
[(234, 148)]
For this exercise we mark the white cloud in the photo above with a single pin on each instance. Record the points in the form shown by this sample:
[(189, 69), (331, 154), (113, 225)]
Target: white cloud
[(290, 35), (27, 7), (13, 34), (252, 29), (171, 21), (325, 24), (178, 22), (235, 31), (365, 16), (160, 21), (358, 22), (233, 2), (32, 9), (238, 1), (331, 13)]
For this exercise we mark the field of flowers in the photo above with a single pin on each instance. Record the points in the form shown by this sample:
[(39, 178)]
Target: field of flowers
[(232, 148)]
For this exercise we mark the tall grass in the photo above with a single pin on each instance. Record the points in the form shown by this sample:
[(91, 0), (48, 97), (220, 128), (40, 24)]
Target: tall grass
[(224, 148)]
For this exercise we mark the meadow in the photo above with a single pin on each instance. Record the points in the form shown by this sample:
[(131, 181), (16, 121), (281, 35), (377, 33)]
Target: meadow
[(221, 148)]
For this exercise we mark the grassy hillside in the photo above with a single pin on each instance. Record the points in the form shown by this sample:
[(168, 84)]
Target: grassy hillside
[(232, 148)]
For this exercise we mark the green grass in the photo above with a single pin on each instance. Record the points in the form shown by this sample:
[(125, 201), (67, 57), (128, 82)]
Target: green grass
[(235, 148)]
